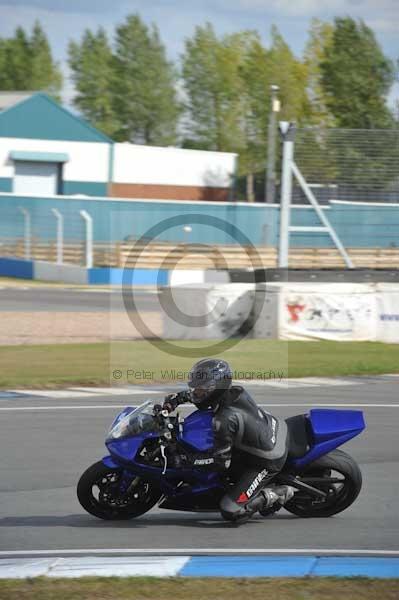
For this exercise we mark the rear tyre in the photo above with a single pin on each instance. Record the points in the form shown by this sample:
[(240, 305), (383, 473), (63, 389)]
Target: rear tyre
[(99, 493), (338, 465)]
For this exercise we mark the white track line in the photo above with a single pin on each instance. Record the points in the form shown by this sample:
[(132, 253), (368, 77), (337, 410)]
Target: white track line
[(97, 406), (114, 391), (200, 551), (74, 393), (301, 382), (279, 405)]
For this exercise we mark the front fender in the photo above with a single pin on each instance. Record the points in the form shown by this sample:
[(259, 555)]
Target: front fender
[(108, 461)]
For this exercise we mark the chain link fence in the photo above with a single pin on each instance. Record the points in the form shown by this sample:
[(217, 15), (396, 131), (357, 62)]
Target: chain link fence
[(354, 165)]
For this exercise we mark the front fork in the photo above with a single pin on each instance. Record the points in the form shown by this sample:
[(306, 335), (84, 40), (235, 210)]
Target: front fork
[(127, 482)]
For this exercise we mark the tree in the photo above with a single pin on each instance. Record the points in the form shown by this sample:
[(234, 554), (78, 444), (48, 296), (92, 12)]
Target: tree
[(16, 62), (91, 63), (356, 77), (44, 73), (218, 73), (320, 38), (26, 63), (290, 74), (227, 82), (257, 78), (144, 86), (213, 89), (262, 68)]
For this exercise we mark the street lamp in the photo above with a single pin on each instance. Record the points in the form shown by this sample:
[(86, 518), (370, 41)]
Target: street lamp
[(270, 182), (187, 230)]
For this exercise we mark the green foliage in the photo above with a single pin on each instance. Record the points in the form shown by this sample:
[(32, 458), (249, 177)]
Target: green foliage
[(44, 73), (356, 77), (227, 83), (144, 84), (290, 74), (26, 63), (214, 90), (128, 93), (320, 38), (91, 63)]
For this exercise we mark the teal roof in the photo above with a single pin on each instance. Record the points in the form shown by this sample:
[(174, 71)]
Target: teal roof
[(41, 118), (39, 156)]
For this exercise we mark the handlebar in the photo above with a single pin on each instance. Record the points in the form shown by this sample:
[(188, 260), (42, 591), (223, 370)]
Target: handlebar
[(163, 418)]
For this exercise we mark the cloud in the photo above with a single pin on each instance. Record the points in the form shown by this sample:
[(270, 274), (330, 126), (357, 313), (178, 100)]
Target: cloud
[(63, 6)]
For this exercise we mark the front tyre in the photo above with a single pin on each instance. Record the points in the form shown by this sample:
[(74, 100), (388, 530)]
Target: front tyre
[(342, 484), (101, 491)]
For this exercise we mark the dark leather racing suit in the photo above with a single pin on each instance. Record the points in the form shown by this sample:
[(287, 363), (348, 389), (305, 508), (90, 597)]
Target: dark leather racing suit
[(249, 443)]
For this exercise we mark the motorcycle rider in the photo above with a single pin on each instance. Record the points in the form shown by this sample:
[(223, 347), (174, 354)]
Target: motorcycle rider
[(249, 443)]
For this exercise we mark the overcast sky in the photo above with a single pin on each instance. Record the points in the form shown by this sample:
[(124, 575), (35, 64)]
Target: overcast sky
[(66, 19)]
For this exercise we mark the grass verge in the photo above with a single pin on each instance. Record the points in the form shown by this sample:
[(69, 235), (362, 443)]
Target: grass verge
[(139, 362), (198, 589)]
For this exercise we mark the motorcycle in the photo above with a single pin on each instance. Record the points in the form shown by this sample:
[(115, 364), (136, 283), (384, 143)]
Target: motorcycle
[(144, 467)]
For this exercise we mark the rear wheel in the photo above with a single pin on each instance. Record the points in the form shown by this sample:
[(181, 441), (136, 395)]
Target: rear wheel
[(103, 493), (336, 474)]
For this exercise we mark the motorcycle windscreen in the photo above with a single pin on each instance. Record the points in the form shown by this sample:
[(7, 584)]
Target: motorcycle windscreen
[(327, 423), (197, 430)]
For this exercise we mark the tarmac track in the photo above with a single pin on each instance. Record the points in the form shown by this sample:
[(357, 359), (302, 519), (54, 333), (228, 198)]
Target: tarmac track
[(37, 299), (43, 453)]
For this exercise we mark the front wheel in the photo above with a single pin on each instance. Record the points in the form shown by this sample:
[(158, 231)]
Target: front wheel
[(336, 474), (103, 493)]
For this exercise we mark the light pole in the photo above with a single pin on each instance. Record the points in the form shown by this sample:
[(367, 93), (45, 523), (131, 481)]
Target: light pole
[(187, 230), (270, 182)]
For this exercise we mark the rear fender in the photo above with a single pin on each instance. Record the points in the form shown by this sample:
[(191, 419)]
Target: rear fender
[(330, 429)]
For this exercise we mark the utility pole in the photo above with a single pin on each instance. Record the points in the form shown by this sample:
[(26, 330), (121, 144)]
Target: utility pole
[(270, 181), (288, 134)]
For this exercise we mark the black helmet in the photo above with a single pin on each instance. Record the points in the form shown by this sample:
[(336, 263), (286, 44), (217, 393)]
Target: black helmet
[(208, 380)]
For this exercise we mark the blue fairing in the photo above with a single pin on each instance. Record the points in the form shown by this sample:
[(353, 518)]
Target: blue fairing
[(197, 430), (330, 429), (108, 461), (327, 423)]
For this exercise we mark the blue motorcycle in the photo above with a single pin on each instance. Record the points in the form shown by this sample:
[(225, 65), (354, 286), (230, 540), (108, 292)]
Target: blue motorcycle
[(145, 467)]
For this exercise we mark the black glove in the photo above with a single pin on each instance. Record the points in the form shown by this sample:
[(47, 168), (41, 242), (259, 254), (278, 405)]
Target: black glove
[(172, 401)]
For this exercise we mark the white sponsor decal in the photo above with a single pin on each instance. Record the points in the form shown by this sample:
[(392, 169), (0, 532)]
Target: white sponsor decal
[(274, 424), (256, 482), (204, 461)]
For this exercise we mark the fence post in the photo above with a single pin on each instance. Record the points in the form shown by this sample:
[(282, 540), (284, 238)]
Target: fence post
[(60, 235), (89, 238), (288, 132), (27, 233)]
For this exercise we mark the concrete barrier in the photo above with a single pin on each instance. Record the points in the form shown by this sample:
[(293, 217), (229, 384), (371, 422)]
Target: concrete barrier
[(14, 267), (283, 310), (207, 311), (189, 276), (45, 271)]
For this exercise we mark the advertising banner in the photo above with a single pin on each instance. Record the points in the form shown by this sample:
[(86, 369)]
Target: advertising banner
[(338, 312), (388, 312)]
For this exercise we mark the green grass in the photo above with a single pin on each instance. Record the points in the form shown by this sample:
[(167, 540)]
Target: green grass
[(93, 364), (198, 589)]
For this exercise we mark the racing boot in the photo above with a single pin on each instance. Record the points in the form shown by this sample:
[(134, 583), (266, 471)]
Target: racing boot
[(275, 498), (244, 513), (266, 499), (284, 493)]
